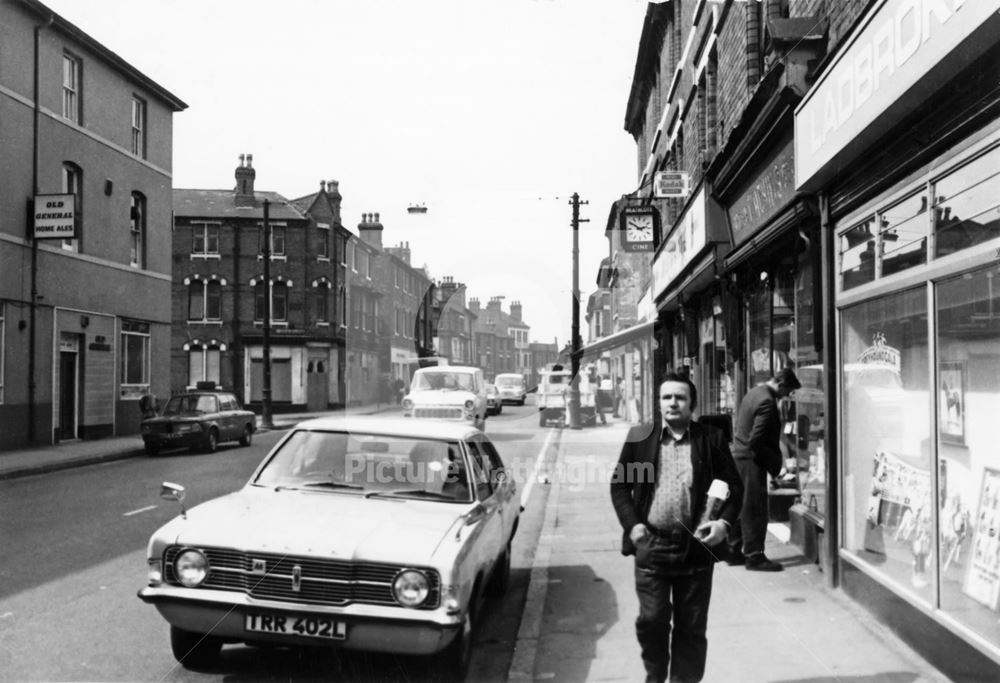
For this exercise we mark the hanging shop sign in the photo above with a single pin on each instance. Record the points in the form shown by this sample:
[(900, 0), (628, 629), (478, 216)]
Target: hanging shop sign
[(766, 194), (55, 217), (640, 228), (902, 51), (675, 184)]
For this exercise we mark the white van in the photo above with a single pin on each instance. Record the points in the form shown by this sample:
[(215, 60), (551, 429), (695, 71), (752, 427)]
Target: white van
[(512, 387)]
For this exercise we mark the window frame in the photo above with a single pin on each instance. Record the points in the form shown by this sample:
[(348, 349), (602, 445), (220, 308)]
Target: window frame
[(72, 183), (137, 230), (204, 350), (139, 119), (323, 242), (72, 92), (140, 330), (3, 347), (206, 230)]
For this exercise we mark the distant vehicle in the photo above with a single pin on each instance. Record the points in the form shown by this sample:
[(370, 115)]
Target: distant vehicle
[(512, 387), (198, 420), (553, 398), (360, 533), (452, 392), (494, 405)]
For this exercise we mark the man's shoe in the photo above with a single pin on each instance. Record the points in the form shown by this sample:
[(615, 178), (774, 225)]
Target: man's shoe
[(760, 563), (736, 559)]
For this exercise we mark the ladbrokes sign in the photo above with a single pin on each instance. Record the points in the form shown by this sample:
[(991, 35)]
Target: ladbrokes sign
[(900, 54)]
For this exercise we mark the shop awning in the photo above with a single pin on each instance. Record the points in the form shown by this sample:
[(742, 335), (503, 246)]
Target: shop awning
[(619, 338), (697, 279)]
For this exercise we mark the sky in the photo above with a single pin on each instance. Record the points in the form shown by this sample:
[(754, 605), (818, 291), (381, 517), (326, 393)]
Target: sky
[(491, 114)]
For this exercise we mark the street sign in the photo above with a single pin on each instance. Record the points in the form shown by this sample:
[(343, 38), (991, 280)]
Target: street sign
[(671, 184), (55, 216)]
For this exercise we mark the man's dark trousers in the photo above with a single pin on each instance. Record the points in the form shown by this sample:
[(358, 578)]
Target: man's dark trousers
[(750, 530), (684, 595)]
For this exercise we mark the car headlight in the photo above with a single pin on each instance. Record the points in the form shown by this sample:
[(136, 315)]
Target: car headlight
[(410, 587), (469, 404), (191, 567), (407, 404)]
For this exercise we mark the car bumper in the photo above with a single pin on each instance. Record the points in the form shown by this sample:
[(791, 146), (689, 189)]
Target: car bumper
[(367, 628), (175, 440)]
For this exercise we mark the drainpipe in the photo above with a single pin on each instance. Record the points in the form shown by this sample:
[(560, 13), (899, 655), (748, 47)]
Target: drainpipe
[(32, 306), (831, 529)]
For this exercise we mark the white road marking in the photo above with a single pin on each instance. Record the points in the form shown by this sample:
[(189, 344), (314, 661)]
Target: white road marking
[(135, 512), (539, 459)]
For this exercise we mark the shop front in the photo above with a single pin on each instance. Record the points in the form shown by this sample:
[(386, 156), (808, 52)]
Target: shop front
[(693, 307), (911, 217)]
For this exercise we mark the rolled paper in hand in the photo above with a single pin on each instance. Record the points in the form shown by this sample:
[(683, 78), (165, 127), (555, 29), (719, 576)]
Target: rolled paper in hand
[(718, 493)]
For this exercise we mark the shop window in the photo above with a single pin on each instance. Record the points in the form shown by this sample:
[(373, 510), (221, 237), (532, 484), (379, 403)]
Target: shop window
[(903, 234), (965, 205), (886, 438), (857, 254), (968, 401), (771, 322), (204, 363), (135, 354)]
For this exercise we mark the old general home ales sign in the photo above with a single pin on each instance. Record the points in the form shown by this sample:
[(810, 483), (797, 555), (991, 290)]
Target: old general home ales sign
[(55, 216)]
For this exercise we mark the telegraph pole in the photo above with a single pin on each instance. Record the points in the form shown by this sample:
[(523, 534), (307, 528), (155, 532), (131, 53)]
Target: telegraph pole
[(576, 350), (265, 403)]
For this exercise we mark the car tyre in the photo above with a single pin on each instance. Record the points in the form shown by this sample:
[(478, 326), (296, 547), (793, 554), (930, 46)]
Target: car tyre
[(195, 651), (500, 581), (212, 440), (247, 437), (152, 449), (453, 663), (522, 402)]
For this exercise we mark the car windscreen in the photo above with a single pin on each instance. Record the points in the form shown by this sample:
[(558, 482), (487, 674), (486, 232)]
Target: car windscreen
[(369, 464), (190, 404), (440, 379), (510, 382)]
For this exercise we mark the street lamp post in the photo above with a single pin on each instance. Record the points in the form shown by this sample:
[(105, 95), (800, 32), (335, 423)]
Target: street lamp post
[(576, 351)]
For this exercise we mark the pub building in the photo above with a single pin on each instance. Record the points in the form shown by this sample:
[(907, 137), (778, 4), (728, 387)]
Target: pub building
[(898, 140)]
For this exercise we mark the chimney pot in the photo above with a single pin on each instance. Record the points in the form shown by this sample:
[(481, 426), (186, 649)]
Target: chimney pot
[(322, 186), (376, 218), (249, 160), (242, 160)]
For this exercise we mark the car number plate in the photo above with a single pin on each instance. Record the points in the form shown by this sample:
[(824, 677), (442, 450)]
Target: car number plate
[(310, 627)]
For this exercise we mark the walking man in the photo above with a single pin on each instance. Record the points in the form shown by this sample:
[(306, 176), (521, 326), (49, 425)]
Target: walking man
[(659, 491), (757, 450)]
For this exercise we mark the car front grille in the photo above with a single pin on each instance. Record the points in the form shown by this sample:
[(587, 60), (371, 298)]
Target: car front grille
[(437, 411), (300, 579)]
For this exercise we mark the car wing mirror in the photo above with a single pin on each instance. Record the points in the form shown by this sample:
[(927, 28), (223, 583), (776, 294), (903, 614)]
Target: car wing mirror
[(171, 491)]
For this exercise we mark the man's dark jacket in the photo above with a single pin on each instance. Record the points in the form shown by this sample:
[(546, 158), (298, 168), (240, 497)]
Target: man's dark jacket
[(757, 433), (634, 482)]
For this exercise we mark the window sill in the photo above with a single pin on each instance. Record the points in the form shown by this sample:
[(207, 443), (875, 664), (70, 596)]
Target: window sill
[(274, 257), (217, 323), (274, 323), (322, 259), (195, 256), (322, 324)]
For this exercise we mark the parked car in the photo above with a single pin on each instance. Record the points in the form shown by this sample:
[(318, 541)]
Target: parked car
[(360, 533), (198, 420), (449, 392), (512, 387), (494, 404)]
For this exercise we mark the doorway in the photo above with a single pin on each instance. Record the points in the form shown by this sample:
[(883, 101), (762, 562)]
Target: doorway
[(317, 383), (69, 369)]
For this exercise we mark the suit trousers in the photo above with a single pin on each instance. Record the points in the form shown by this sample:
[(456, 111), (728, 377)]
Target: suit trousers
[(673, 618), (750, 530)]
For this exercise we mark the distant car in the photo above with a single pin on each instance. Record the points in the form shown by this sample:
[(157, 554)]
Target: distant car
[(449, 392), (199, 420), (494, 405), (360, 533), (512, 387)]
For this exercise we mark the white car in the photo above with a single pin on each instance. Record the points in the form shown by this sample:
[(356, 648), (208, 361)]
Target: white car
[(448, 392), (512, 387), (354, 532)]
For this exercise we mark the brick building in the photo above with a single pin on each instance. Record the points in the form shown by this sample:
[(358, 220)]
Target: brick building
[(85, 319)]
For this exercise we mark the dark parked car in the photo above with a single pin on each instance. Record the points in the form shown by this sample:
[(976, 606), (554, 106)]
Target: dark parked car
[(199, 420)]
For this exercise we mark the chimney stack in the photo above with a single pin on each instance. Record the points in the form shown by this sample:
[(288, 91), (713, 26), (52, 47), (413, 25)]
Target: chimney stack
[(370, 230), (515, 310), (474, 305), (245, 175)]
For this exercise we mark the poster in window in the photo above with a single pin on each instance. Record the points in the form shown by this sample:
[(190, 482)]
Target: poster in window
[(951, 401), (982, 582)]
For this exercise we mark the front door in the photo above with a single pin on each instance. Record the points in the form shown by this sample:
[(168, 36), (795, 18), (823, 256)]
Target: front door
[(67, 394), (317, 384)]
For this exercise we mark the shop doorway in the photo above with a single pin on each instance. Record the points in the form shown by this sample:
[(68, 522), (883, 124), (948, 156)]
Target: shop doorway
[(69, 382), (317, 384)]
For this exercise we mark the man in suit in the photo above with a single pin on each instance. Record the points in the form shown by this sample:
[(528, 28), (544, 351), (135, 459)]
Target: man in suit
[(659, 490), (757, 450)]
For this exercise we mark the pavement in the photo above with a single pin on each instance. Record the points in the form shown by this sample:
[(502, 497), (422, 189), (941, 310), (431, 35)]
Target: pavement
[(579, 618), (77, 453)]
